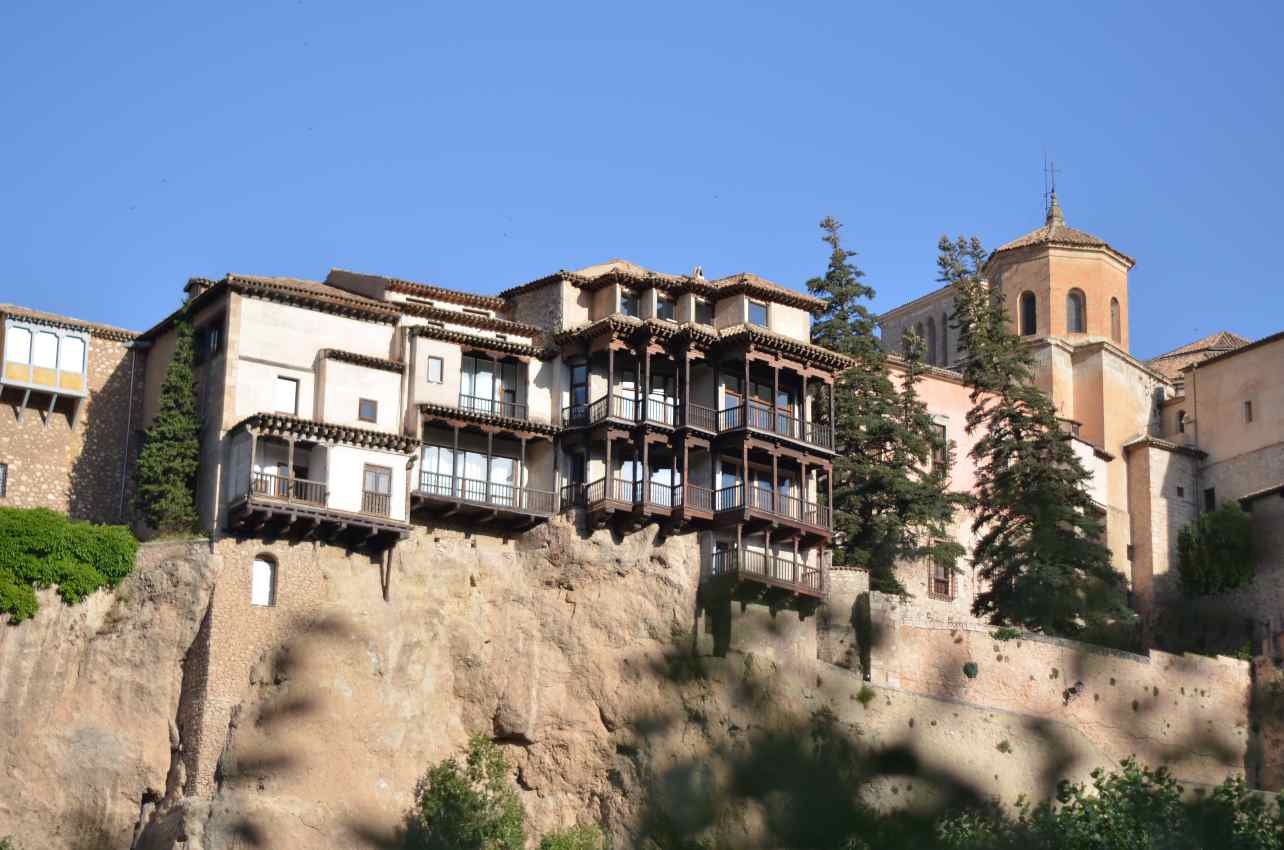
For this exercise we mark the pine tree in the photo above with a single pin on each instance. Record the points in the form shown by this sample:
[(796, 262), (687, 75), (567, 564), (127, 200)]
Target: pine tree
[(1038, 549), (165, 480), (890, 500)]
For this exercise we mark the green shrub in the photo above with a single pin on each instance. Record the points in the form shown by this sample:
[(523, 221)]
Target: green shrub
[(582, 837), (1215, 552), (470, 806), (7, 843), (41, 548), (1005, 633)]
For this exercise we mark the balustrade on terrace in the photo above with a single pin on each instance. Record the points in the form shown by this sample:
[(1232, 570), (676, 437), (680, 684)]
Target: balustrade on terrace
[(739, 497), (779, 570), (528, 500)]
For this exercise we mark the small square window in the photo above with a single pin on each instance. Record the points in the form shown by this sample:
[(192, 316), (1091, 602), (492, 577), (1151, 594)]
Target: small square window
[(758, 314), (1210, 499), (1181, 492), (287, 395), (4, 479), (368, 410), (664, 308), (628, 302), (436, 370), (1248, 411)]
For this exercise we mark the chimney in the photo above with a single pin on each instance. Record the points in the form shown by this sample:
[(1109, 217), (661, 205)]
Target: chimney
[(196, 286)]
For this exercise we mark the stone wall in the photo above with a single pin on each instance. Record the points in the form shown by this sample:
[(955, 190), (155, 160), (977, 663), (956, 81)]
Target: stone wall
[(45, 454), (1187, 711)]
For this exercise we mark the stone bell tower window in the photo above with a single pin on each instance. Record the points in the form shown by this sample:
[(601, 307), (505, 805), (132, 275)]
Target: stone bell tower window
[(1028, 313), (1076, 312), (1116, 333)]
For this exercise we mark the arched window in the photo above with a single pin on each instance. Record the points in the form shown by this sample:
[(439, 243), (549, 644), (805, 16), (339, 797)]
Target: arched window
[(931, 341), (1116, 333), (1028, 314), (263, 581), (945, 340), (1076, 312)]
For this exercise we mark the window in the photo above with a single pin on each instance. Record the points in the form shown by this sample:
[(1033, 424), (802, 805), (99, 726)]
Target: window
[(376, 490), (1210, 499), (4, 479), (17, 345), (1076, 312), (758, 314), (71, 355), (1248, 411), (931, 341), (492, 386), (664, 308), (1116, 328), (263, 582), (628, 302), (945, 340), (941, 449), (368, 410), (44, 351), (579, 385), (703, 311), (1029, 314), (1181, 422), (436, 370), (287, 395), (941, 583), (1181, 492)]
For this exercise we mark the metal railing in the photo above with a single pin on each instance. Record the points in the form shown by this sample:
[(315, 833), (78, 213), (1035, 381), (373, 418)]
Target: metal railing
[(778, 569), (759, 498), (494, 494), (288, 488), (379, 504), (497, 407), (760, 416)]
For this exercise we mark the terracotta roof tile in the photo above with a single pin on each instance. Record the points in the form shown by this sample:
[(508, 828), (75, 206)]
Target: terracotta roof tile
[(1171, 364), (56, 320), (1055, 232)]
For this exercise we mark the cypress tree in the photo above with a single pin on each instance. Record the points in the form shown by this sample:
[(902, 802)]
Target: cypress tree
[(890, 500), (165, 480), (1039, 549)]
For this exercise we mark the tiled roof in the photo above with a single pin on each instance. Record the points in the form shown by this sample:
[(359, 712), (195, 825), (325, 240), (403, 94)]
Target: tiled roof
[(314, 294), (1055, 232), (1171, 364), (281, 423), (361, 360), (485, 343), (423, 290), (512, 423), (55, 320)]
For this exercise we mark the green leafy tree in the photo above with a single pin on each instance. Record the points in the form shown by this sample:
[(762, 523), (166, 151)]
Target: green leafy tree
[(1215, 552), (1039, 550), (165, 479), (890, 499), (470, 806)]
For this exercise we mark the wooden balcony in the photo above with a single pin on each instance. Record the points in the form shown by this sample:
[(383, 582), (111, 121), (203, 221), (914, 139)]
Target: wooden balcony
[(493, 407), (701, 418), (739, 503), (731, 567), (473, 500), (623, 408), (764, 419), (285, 506)]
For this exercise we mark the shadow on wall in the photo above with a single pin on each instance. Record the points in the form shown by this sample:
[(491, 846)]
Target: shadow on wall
[(98, 488)]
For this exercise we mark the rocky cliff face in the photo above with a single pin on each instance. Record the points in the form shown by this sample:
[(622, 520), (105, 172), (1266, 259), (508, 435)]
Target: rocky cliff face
[(575, 651)]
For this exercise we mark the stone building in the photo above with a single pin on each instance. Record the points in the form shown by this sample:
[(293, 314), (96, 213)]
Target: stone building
[(1164, 438)]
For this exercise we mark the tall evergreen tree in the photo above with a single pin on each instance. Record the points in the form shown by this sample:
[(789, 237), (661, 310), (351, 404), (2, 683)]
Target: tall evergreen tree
[(890, 499), (1039, 544), (165, 480)]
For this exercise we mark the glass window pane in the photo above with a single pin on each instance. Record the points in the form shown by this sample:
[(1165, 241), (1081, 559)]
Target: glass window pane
[(44, 350), (757, 313), (71, 356), (17, 345)]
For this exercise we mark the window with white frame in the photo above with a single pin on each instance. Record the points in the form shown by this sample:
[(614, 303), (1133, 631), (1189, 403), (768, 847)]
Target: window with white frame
[(44, 350), (287, 395), (263, 582), (17, 345), (758, 313), (71, 354), (664, 308), (436, 370)]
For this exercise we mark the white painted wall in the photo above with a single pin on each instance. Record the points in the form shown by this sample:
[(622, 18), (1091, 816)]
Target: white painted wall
[(792, 322), (345, 384), (344, 478)]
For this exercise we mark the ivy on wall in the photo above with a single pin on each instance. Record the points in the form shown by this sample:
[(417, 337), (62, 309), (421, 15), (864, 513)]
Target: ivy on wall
[(1215, 552), (41, 548)]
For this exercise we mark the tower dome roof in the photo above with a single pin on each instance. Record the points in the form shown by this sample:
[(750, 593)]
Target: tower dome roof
[(1055, 232)]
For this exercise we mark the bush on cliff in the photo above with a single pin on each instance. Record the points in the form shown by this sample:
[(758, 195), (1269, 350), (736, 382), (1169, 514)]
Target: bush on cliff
[(1215, 552), (41, 548), (165, 479), (468, 807)]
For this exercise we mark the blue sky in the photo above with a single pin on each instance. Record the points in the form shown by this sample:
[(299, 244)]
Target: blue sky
[(481, 145)]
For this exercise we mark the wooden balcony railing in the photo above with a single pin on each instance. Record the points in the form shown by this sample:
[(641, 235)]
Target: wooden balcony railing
[(694, 496), (476, 491), (759, 498), (704, 418), (624, 407), (494, 406), (573, 495), (379, 504), (760, 416), (777, 569), (288, 488)]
